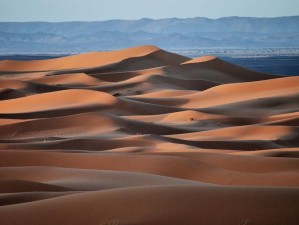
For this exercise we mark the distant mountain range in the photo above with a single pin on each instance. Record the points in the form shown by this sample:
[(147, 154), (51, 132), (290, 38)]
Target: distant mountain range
[(171, 33)]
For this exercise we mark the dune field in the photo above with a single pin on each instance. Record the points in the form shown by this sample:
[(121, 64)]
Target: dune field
[(143, 136)]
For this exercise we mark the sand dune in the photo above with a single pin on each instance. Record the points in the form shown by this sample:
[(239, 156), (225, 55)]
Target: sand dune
[(144, 136), (143, 55)]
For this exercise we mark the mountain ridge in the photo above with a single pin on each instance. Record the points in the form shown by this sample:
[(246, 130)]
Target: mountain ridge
[(169, 33)]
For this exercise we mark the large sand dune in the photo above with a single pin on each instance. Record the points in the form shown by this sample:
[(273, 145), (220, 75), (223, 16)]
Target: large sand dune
[(144, 136)]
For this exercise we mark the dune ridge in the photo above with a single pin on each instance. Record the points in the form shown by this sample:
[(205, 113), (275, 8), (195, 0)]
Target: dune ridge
[(144, 136)]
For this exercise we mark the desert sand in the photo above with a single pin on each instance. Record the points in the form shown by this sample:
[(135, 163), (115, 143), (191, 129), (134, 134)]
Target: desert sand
[(144, 136)]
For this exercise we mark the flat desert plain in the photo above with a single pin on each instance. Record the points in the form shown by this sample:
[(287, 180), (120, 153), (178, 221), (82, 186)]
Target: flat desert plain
[(146, 137)]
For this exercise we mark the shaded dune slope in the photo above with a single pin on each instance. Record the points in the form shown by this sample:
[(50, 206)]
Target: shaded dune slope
[(144, 136)]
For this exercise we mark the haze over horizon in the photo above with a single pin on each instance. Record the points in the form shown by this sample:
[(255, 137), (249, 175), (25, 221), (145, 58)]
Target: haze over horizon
[(99, 10)]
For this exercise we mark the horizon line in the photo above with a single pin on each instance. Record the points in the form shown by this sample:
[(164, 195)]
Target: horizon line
[(147, 18)]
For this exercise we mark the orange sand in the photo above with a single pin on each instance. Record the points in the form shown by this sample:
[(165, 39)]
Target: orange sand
[(144, 136)]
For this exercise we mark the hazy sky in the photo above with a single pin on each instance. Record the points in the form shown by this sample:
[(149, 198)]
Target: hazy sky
[(90, 10)]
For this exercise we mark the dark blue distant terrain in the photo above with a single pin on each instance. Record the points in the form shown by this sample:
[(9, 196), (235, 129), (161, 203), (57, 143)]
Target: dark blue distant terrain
[(171, 33), (280, 65)]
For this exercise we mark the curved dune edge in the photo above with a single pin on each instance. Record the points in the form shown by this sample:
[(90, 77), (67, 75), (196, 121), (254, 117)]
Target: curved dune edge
[(153, 204), (201, 59), (144, 136), (87, 60)]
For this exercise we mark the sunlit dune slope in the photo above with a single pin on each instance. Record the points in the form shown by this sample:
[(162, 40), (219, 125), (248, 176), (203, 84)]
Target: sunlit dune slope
[(145, 136)]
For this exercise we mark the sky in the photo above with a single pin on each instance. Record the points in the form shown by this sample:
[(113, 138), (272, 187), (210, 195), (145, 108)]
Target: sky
[(94, 10)]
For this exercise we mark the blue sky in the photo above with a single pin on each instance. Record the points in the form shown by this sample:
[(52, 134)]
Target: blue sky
[(92, 10)]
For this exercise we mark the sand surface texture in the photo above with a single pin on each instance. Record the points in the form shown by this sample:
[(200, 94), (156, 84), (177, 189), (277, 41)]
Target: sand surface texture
[(143, 136)]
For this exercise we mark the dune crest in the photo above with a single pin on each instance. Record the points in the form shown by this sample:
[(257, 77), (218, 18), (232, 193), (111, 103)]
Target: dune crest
[(87, 60), (145, 136), (201, 59)]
